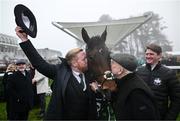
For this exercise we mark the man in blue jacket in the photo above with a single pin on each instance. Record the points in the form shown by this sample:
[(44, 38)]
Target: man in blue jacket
[(71, 98)]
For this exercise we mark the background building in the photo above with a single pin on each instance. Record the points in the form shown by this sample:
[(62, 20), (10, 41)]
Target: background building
[(10, 52)]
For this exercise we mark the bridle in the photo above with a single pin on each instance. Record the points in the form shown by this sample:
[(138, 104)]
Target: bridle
[(95, 75)]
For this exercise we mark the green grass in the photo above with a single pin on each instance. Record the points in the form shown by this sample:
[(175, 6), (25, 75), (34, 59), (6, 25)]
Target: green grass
[(2, 111), (178, 119), (35, 111), (33, 115)]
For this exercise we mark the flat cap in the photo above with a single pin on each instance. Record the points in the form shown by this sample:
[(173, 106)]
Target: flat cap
[(128, 61)]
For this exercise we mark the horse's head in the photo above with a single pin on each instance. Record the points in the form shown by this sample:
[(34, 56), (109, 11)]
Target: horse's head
[(98, 55)]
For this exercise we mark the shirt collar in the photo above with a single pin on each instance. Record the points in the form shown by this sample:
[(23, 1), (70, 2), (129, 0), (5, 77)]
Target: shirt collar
[(75, 73)]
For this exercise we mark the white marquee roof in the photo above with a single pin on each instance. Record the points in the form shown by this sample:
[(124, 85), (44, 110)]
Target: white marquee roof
[(116, 29)]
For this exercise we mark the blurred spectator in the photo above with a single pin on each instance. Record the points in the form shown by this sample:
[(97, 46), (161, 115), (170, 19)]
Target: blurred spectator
[(9, 71), (42, 88), (20, 89)]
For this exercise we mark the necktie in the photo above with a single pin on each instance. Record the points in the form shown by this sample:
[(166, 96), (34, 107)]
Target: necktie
[(81, 81)]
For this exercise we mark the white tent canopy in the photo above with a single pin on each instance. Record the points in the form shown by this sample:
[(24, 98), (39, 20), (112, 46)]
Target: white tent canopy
[(116, 29)]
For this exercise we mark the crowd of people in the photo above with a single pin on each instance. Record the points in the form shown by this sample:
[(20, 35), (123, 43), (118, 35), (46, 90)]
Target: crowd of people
[(18, 82), (147, 92), (19, 91)]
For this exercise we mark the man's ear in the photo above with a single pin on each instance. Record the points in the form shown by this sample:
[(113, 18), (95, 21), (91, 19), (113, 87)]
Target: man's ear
[(160, 56), (121, 70), (74, 63)]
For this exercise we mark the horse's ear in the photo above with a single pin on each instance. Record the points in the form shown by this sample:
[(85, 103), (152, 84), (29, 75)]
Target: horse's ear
[(104, 34), (85, 35)]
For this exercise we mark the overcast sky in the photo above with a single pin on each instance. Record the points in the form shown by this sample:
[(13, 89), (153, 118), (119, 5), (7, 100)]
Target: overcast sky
[(47, 11)]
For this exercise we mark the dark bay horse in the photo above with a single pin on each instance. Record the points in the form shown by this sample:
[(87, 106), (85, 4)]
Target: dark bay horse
[(98, 55)]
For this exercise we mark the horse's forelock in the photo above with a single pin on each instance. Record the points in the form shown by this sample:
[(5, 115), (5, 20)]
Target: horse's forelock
[(95, 41)]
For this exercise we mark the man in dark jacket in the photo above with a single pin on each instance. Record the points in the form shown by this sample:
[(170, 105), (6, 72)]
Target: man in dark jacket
[(131, 99), (20, 91), (9, 71), (162, 81), (71, 98)]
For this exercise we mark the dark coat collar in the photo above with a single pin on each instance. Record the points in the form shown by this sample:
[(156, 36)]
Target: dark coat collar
[(123, 80), (148, 66)]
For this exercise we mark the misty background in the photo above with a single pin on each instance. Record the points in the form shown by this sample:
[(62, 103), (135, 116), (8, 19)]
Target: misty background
[(51, 37)]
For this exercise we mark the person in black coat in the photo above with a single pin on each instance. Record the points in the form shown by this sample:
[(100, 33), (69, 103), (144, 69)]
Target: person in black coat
[(163, 82), (131, 98), (72, 98), (20, 91), (9, 71)]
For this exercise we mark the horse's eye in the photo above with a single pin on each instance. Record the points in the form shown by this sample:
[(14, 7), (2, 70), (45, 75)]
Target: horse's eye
[(90, 58), (101, 50)]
